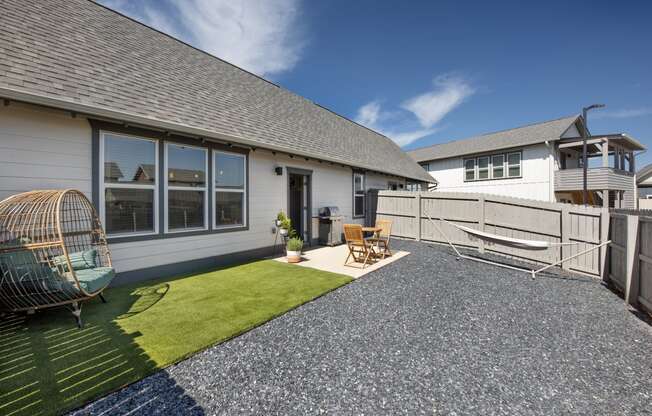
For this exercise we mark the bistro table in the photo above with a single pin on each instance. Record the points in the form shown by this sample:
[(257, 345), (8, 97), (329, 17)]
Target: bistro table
[(375, 231)]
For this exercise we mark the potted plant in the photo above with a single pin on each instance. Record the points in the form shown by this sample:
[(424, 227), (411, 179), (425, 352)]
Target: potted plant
[(285, 225), (294, 247)]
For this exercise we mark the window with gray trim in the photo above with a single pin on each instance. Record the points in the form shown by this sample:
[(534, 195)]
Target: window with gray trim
[(229, 189), (186, 187), (128, 189), (358, 194)]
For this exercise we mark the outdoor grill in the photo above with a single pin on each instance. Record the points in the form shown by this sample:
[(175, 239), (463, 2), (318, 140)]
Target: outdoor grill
[(330, 226)]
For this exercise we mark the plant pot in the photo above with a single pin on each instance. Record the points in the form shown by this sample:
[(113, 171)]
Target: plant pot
[(293, 256), (283, 231), (278, 223)]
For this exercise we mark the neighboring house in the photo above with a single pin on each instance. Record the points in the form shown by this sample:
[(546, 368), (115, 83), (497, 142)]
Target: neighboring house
[(540, 161), (644, 184), (187, 158)]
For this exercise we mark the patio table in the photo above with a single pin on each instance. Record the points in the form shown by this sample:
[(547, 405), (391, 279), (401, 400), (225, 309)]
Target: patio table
[(375, 231)]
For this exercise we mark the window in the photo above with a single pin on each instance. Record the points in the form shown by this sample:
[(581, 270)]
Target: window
[(425, 166), (128, 189), (498, 166), (514, 164), (392, 186), (483, 167), (229, 173), (358, 194), (186, 187), (469, 169)]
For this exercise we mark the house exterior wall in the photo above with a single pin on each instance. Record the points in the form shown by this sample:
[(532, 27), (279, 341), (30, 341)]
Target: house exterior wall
[(535, 182), (50, 149)]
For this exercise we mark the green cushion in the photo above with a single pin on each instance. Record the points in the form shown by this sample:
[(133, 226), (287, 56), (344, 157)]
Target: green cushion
[(92, 280), (80, 260), (22, 264)]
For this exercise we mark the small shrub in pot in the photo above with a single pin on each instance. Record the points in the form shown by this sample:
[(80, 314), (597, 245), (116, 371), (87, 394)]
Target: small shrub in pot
[(294, 247)]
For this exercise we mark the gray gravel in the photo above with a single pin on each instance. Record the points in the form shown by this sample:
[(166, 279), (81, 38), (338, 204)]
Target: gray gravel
[(425, 335)]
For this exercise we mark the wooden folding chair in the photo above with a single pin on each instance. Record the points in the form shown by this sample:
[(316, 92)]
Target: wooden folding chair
[(381, 240), (360, 249)]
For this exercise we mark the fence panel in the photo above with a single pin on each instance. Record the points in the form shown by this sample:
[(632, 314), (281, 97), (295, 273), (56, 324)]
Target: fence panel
[(618, 250), (645, 262)]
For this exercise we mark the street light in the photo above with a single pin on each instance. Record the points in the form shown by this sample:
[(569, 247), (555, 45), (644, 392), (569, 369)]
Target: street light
[(585, 194)]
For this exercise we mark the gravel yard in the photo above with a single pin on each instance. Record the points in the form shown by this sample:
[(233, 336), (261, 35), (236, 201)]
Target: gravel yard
[(425, 334)]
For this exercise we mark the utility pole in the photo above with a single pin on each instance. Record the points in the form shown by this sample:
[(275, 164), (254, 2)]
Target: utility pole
[(585, 162)]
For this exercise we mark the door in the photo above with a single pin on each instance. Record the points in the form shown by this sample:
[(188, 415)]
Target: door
[(299, 204)]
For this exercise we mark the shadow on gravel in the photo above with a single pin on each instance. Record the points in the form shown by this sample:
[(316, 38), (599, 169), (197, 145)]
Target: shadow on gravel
[(553, 273)]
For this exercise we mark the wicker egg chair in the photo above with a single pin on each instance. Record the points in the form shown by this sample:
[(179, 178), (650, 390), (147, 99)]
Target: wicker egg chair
[(53, 252)]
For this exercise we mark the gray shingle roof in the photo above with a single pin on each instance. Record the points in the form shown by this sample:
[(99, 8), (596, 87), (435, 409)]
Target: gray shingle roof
[(642, 174), (80, 55), (520, 136)]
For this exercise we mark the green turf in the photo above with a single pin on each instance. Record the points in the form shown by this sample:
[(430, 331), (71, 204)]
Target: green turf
[(47, 365)]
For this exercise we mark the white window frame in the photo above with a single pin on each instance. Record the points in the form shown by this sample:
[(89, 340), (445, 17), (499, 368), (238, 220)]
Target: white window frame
[(103, 186), (475, 169), (501, 155), (490, 176), (167, 188), (479, 169), (215, 189), (520, 165), (359, 193)]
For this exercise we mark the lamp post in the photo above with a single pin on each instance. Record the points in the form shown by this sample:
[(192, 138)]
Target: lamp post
[(585, 193)]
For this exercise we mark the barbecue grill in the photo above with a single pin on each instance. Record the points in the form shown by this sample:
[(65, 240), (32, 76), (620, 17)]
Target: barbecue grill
[(330, 226)]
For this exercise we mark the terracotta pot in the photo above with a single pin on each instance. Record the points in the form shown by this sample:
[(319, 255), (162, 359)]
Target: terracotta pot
[(294, 256)]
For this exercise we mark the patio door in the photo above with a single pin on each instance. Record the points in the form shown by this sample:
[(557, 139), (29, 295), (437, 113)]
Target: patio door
[(299, 209)]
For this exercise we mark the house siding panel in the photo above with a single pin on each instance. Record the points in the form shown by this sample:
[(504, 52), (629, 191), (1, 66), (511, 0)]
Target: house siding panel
[(43, 149), (48, 149), (534, 184)]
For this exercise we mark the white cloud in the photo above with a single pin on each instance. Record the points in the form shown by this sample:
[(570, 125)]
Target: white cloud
[(261, 36), (431, 107), (627, 113), (428, 109)]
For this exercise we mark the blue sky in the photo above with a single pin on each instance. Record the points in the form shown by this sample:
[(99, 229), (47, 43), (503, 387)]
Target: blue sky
[(431, 72)]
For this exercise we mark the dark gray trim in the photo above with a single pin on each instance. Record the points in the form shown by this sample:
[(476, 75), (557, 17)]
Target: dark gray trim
[(95, 166), (364, 193), (163, 138), (191, 266), (306, 172)]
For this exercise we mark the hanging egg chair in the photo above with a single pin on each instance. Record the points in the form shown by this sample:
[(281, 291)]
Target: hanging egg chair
[(53, 252)]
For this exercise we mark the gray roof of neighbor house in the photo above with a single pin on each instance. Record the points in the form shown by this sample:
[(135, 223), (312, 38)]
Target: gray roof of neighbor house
[(80, 56), (643, 173), (521, 136)]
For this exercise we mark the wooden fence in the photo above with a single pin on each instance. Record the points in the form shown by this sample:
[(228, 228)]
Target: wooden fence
[(628, 261), (510, 217), (630, 256)]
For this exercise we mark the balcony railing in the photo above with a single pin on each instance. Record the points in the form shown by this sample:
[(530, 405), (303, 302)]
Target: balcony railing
[(597, 179)]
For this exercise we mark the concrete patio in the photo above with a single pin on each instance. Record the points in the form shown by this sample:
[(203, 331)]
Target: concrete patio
[(425, 335), (331, 259)]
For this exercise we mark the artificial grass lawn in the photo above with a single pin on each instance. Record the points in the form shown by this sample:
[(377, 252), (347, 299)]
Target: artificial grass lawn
[(48, 366)]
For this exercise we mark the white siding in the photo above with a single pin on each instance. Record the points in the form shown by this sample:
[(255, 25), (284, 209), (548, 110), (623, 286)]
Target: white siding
[(535, 183), (43, 149)]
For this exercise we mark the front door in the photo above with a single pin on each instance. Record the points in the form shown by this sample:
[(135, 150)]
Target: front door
[(299, 206)]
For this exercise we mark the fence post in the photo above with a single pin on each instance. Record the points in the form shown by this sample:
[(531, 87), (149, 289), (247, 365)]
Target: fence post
[(417, 211), (605, 225), (565, 235), (481, 204), (632, 281)]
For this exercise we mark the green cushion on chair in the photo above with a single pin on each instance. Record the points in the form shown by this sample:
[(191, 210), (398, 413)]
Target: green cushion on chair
[(92, 280), (80, 260), (21, 264)]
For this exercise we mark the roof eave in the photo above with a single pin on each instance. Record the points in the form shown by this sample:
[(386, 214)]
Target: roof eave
[(97, 111)]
